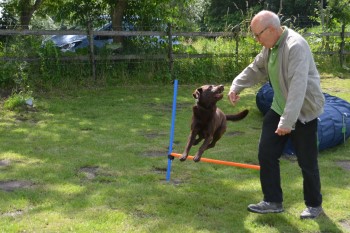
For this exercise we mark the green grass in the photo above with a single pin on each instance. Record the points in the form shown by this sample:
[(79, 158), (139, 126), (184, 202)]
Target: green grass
[(122, 135)]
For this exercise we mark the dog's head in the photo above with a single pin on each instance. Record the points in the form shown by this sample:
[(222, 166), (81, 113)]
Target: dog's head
[(208, 95)]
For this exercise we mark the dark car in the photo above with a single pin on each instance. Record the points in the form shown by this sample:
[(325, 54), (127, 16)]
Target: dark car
[(73, 42)]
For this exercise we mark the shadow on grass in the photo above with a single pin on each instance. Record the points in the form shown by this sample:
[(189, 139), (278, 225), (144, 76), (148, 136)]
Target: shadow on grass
[(92, 165), (284, 223), (327, 225)]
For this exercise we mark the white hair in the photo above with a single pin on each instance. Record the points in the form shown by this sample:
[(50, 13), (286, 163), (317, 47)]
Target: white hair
[(268, 18)]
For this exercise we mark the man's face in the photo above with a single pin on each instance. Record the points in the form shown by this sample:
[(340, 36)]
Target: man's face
[(263, 34)]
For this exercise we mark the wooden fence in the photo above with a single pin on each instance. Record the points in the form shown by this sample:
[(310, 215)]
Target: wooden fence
[(170, 55), (155, 33)]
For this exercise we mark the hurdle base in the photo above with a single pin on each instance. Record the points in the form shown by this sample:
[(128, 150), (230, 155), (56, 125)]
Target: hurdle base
[(171, 157)]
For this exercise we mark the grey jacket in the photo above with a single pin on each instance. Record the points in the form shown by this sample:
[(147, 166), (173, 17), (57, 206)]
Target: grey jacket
[(298, 77)]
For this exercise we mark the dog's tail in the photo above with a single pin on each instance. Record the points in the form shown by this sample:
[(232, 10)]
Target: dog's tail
[(238, 116)]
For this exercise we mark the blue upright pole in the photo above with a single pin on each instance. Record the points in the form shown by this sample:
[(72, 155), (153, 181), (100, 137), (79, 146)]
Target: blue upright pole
[(170, 158)]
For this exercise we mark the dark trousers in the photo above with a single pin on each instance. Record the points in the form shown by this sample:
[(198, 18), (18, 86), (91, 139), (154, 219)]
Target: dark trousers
[(304, 140)]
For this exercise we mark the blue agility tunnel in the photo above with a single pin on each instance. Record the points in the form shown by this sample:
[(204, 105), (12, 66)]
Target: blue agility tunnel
[(333, 123)]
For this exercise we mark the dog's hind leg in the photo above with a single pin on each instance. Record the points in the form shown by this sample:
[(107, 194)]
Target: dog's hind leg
[(215, 139), (198, 140), (218, 134), (203, 147)]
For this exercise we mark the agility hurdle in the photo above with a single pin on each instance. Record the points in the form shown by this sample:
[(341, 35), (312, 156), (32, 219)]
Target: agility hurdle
[(171, 155), (227, 163)]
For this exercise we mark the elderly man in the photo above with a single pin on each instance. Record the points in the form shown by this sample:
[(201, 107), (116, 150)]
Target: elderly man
[(287, 62)]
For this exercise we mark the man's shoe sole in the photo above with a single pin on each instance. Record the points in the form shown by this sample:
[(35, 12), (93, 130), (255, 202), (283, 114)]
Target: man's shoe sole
[(265, 211), (311, 217)]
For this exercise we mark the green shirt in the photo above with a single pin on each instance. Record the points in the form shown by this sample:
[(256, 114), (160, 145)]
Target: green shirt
[(278, 102)]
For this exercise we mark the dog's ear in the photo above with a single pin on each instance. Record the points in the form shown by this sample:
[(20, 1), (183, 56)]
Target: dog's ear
[(197, 93)]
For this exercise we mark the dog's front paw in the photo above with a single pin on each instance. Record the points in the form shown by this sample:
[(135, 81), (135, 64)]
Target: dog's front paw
[(197, 158), (183, 157)]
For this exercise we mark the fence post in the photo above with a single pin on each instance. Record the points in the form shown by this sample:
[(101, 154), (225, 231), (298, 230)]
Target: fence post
[(237, 49), (91, 50), (170, 51), (342, 45)]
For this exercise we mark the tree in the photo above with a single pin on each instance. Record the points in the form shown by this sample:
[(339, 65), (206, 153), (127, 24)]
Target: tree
[(339, 11), (26, 10), (7, 19), (222, 13), (340, 14), (148, 15), (117, 12)]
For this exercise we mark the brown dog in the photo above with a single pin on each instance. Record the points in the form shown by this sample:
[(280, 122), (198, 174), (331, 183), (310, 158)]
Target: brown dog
[(208, 121)]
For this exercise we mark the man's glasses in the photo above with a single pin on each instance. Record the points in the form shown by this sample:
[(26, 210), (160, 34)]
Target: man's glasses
[(256, 36)]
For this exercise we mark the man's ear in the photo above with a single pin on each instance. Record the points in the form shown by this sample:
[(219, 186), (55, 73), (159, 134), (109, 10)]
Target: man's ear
[(197, 93)]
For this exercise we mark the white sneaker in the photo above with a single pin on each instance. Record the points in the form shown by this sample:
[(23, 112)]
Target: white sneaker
[(311, 212)]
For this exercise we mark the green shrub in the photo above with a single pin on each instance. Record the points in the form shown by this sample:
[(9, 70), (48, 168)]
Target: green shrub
[(15, 101), (18, 100)]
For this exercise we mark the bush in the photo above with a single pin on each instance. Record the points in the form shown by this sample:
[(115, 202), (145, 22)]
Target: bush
[(15, 101), (18, 101)]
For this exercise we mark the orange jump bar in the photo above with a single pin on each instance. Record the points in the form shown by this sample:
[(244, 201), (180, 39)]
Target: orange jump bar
[(242, 165)]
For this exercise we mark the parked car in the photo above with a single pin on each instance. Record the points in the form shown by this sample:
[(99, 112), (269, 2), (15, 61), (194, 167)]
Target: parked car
[(73, 42)]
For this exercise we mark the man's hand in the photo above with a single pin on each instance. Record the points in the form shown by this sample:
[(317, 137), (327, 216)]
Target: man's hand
[(233, 97), (282, 131)]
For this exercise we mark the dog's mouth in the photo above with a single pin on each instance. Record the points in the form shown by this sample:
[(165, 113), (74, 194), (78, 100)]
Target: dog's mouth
[(219, 96), (219, 92)]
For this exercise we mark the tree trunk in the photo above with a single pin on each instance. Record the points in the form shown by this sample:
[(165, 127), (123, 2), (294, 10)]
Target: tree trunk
[(117, 18), (26, 12)]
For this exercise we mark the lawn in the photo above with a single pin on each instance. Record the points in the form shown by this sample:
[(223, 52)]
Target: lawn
[(95, 160)]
